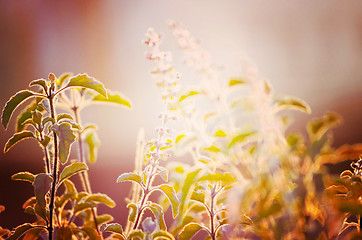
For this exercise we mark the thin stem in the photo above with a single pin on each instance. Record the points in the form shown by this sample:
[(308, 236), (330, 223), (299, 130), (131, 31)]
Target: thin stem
[(55, 172), (84, 175), (146, 193), (46, 157), (212, 214), (47, 164)]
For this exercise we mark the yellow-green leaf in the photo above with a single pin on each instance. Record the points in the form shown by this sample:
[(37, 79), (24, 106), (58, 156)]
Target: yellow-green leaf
[(191, 93), (39, 82), (62, 78), (236, 81), (92, 233), (72, 169), (162, 235), (83, 206), (113, 227), (12, 104), (157, 211), (66, 137), (294, 103), (239, 138), (212, 149), (83, 80), (189, 231), (198, 196), (179, 137), (225, 178), (93, 143), (136, 235), (64, 116), (42, 183), (172, 197), (318, 127), (23, 176), (131, 176), (101, 198), (104, 218), (220, 133), (17, 137), (133, 212), (113, 97)]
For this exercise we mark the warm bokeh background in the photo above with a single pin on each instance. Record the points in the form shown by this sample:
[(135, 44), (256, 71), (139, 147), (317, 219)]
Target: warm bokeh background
[(309, 49)]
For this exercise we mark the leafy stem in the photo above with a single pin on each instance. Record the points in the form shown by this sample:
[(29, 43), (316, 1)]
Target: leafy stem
[(55, 169), (146, 192)]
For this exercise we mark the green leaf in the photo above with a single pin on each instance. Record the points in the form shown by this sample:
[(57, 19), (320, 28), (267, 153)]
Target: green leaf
[(294, 103), (220, 133), (191, 93), (104, 218), (64, 116), (47, 119), (19, 231), (113, 97), (66, 137), (20, 120), (198, 196), (42, 183), (45, 142), (69, 187), (93, 143), (163, 172), (157, 211), (131, 176), (64, 198), (136, 235), (40, 82), (240, 138), (41, 212), (212, 149), (172, 197), (101, 198), (187, 189), (162, 235), (113, 227), (189, 231), (318, 127), (83, 206), (12, 104), (17, 137), (179, 137), (92, 233), (23, 176), (72, 169), (133, 212), (37, 116), (83, 80), (62, 78), (236, 81), (25, 114), (225, 178)]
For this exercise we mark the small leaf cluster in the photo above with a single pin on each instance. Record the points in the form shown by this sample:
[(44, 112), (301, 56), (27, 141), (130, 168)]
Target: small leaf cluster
[(56, 133)]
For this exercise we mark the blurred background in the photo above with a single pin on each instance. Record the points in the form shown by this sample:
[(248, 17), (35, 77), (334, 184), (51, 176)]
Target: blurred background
[(308, 49)]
